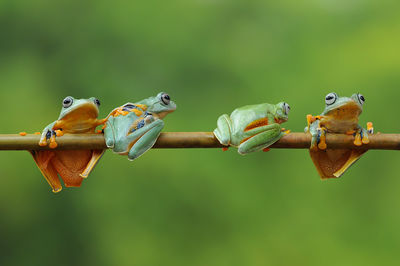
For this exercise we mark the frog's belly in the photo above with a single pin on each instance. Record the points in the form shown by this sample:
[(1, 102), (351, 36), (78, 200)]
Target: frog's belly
[(339, 126)]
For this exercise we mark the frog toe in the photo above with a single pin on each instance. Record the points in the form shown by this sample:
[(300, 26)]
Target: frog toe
[(370, 128), (357, 140), (53, 144)]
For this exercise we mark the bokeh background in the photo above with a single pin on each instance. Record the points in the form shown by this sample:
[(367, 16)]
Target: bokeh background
[(200, 207)]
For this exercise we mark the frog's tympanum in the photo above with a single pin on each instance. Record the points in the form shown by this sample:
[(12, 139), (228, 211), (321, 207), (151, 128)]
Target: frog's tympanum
[(340, 116), (252, 127), (133, 128), (78, 116)]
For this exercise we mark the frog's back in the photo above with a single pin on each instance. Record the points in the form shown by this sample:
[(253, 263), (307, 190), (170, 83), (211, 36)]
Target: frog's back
[(244, 116)]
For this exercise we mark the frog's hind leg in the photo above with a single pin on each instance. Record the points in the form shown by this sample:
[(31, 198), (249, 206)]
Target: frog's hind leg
[(144, 138), (260, 138), (43, 161), (224, 130), (96, 156)]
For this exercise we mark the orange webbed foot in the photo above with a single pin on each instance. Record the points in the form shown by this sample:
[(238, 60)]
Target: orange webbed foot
[(266, 149), (322, 141), (370, 128), (357, 140), (53, 144), (225, 148)]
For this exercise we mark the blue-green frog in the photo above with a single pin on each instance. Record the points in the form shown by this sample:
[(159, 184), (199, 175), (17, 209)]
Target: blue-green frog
[(253, 127), (340, 116), (133, 128)]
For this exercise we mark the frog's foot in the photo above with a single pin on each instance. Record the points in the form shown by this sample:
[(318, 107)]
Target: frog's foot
[(370, 128), (109, 134), (223, 130), (322, 138), (53, 144), (266, 149), (51, 136), (22, 134), (364, 135), (361, 135), (310, 119), (225, 148)]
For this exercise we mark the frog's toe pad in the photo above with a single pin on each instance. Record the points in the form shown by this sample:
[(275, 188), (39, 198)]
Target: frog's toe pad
[(365, 140), (53, 145), (225, 148), (322, 146), (266, 149)]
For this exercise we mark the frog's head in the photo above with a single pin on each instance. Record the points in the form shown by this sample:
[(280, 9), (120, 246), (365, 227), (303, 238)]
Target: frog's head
[(161, 105), (343, 107), (79, 109), (282, 112)]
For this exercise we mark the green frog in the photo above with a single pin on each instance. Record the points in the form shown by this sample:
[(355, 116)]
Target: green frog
[(252, 127), (133, 128)]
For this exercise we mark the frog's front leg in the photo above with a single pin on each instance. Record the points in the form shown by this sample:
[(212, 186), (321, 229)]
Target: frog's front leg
[(224, 130), (109, 134), (260, 138), (318, 136), (144, 138), (361, 135), (49, 133)]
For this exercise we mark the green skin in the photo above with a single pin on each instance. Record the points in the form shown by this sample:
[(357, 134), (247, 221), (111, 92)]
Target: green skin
[(231, 131), (338, 118), (118, 132)]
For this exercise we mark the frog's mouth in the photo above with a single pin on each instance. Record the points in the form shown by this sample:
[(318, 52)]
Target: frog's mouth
[(347, 111)]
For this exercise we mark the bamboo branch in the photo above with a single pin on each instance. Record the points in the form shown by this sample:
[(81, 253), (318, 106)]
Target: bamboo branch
[(198, 140)]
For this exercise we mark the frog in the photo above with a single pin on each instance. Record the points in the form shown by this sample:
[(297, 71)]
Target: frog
[(340, 116), (133, 128), (252, 128), (77, 116)]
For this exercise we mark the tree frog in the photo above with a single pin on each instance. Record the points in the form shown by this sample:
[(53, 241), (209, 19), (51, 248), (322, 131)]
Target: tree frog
[(340, 116), (252, 127), (133, 128), (77, 116)]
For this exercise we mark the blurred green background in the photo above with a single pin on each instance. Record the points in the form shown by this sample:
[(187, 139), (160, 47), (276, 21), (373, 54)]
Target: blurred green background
[(200, 207)]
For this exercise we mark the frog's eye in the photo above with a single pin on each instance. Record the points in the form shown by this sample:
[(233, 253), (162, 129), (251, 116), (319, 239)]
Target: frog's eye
[(286, 108), (97, 102), (68, 102), (331, 98), (361, 98), (165, 98)]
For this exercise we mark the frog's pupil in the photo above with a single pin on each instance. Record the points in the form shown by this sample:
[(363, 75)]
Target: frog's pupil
[(166, 96)]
